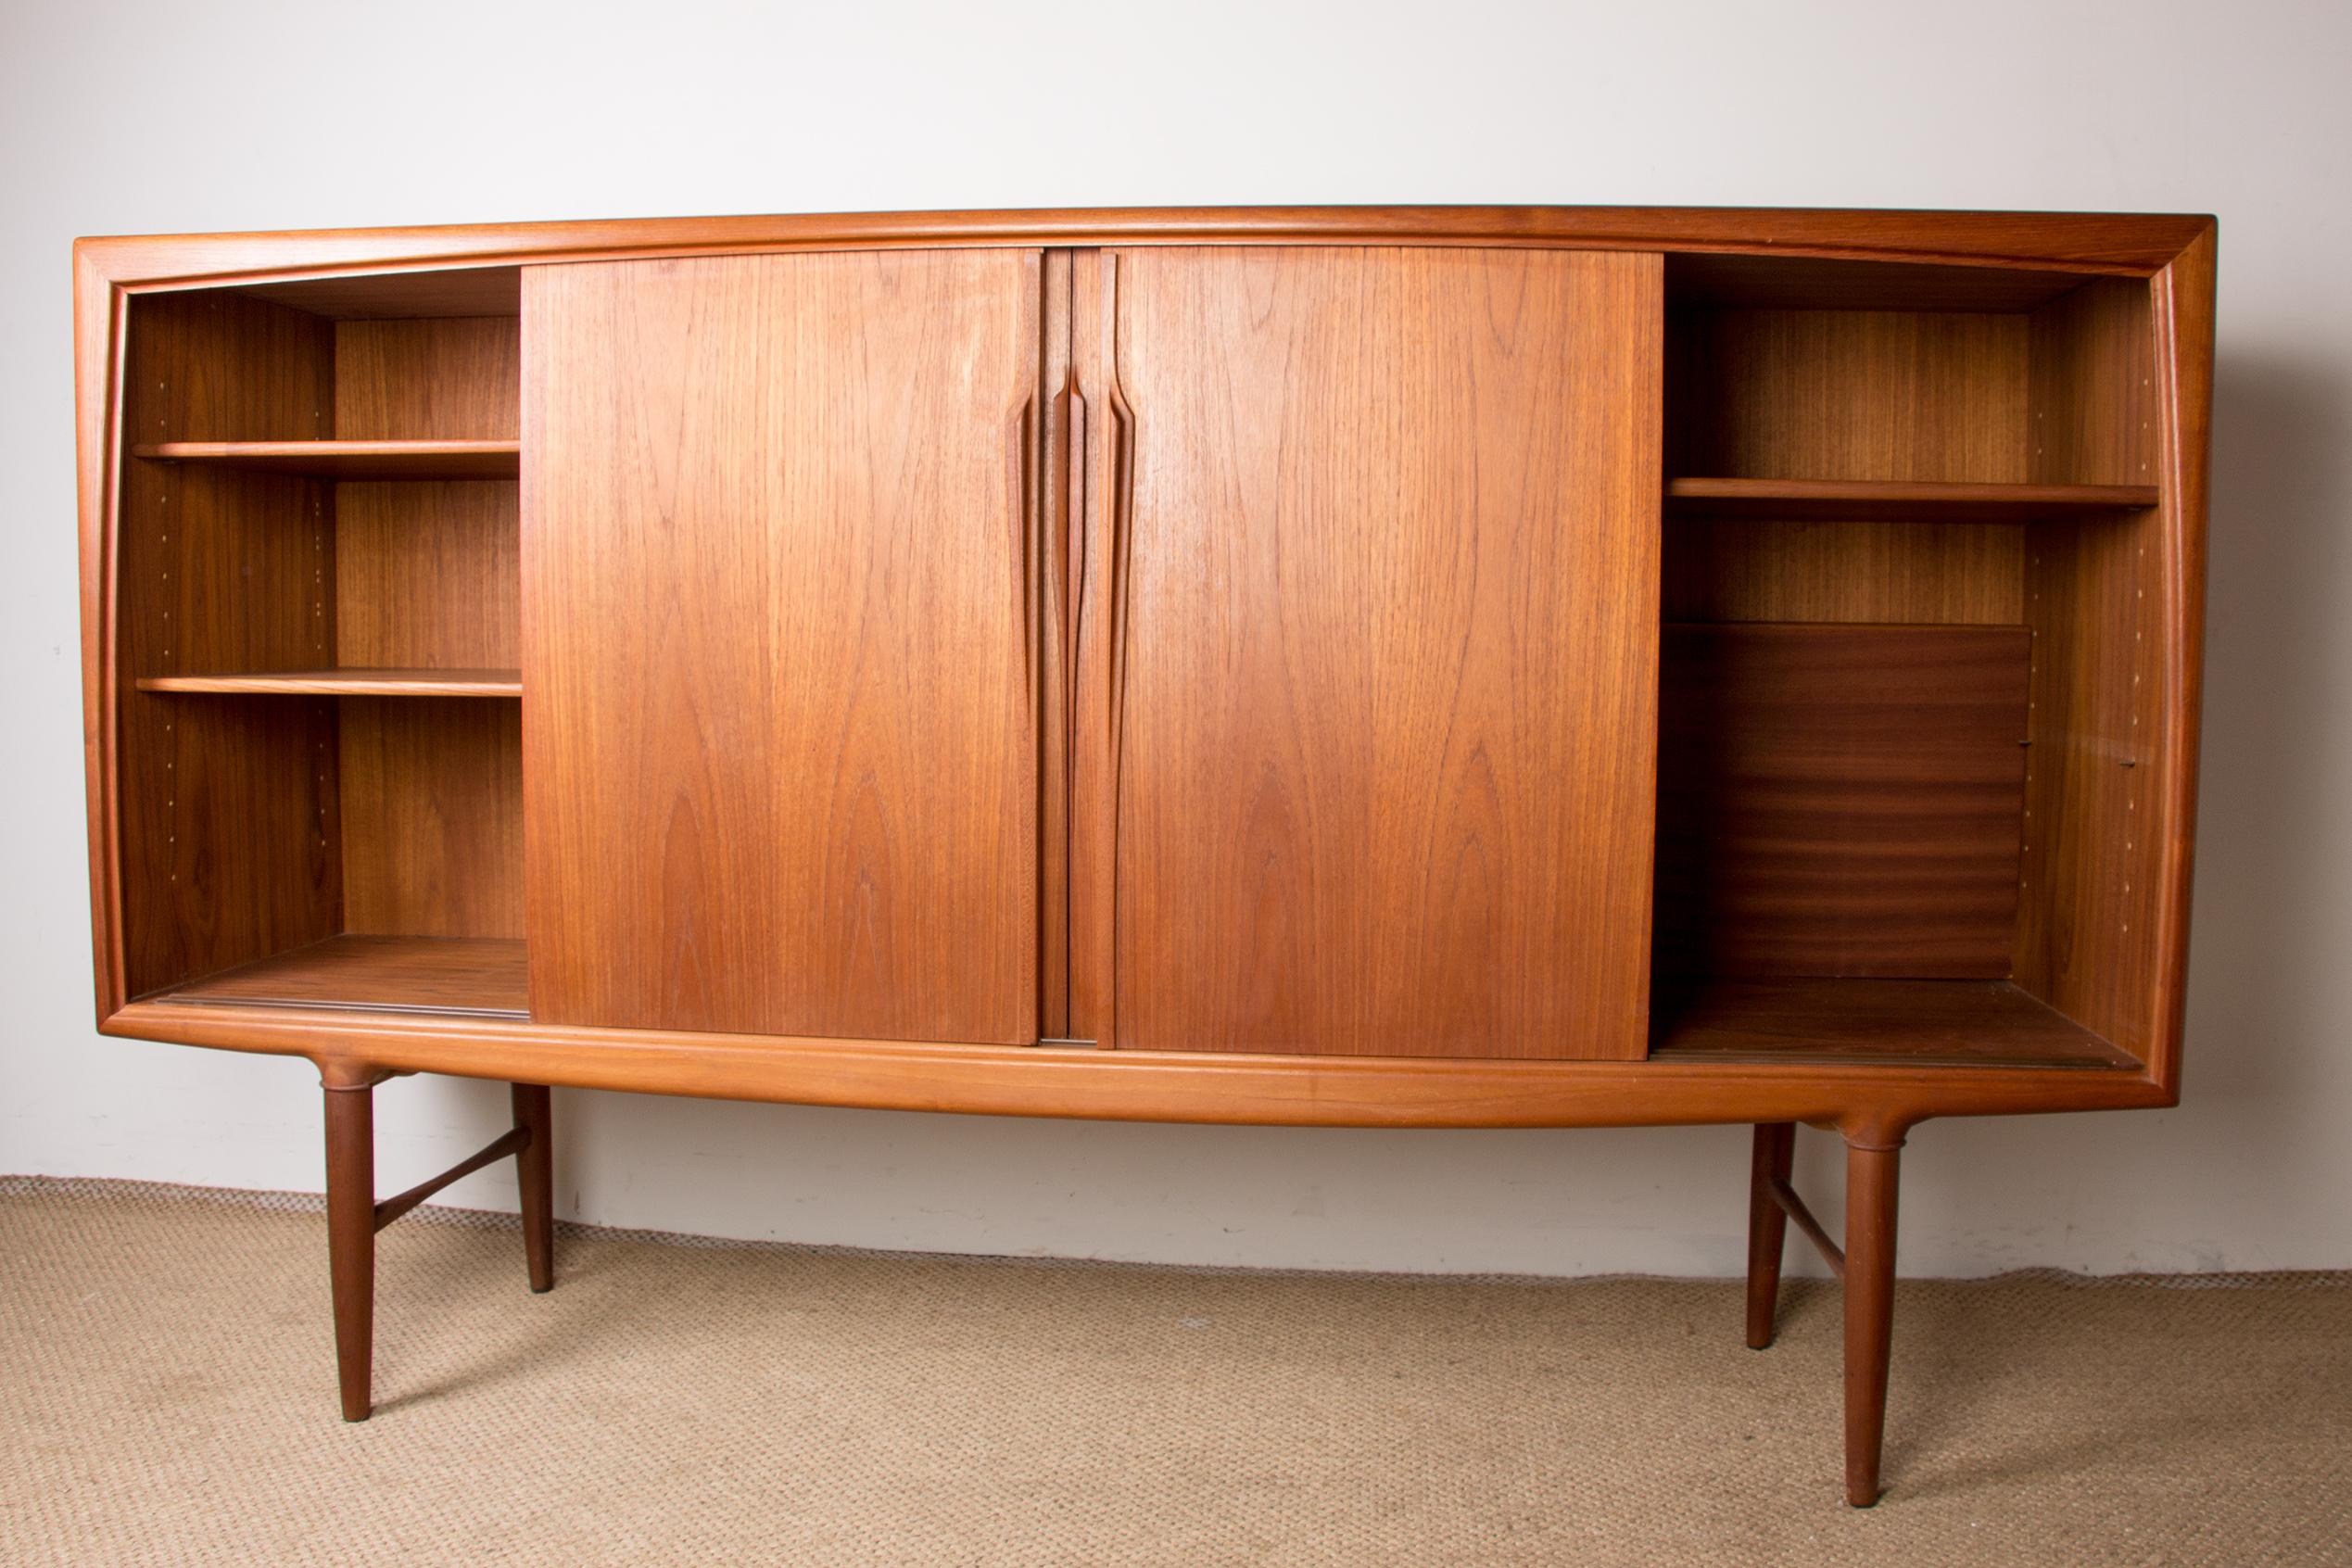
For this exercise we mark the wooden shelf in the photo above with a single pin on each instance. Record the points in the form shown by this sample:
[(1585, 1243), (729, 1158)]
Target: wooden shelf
[(351, 460), (476, 976), (1871, 500), (1872, 1023), (347, 683)]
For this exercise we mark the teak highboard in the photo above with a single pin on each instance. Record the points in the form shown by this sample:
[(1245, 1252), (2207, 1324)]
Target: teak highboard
[(1405, 667)]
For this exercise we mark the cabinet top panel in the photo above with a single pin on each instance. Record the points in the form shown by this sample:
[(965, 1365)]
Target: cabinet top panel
[(2126, 243)]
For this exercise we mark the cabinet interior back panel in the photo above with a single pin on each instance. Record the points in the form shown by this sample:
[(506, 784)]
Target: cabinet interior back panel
[(1840, 800), (455, 379), (780, 744), (1893, 394), (1385, 732)]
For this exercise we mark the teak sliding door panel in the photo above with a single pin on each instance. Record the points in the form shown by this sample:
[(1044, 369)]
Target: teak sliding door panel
[(779, 730), (1377, 531)]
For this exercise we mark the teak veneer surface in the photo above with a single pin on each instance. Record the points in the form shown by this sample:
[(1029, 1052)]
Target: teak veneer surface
[(377, 973), (350, 460), (348, 682), (1891, 396), (1913, 574), (1839, 799), (2129, 244), (428, 575), (225, 842), (438, 380), (1958, 1023), (2082, 359), (432, 818), (1386, 592), (1823, 500), (1141, 663), (780, 772)]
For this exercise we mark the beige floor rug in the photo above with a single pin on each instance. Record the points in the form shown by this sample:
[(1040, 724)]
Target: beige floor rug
[(167, 1397)]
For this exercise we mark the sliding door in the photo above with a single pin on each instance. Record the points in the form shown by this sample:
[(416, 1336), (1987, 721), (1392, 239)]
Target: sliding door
[(1364, 716), (779, 729)]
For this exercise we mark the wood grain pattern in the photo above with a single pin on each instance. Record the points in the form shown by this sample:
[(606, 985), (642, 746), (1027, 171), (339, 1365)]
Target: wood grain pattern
[(1821, 501), (422, 380), (428, 576), (374, 973), (2092, 389), (340, 682), (1953, 1023), (1098, 474), (1868, 1276), (432, 818), (781, 753), (1061, 438), (2096, 600), (109, 273), (1857, 395), (99, 311), (1798, 282), (448, 291), (1839, 799), (1389, 610), (348, 459), (1968, 574), (1189, 1086), (2182, 301), (2129, 244), (228, 834), (2095, 774)]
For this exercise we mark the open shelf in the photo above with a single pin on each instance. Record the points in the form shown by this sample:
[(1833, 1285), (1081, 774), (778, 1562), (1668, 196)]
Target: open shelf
[(350, 460), (1871, 500), (477, 976), (347, 683), (1872, 1023)]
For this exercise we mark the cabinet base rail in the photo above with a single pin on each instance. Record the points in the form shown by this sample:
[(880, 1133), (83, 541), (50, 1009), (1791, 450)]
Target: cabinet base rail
[(354, 1215), (1865, 1264)]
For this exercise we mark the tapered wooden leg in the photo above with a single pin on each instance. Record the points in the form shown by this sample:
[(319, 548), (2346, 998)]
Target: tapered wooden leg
[(1767, 1225), (350, 1203), (1871, 1181), (535, 1169)]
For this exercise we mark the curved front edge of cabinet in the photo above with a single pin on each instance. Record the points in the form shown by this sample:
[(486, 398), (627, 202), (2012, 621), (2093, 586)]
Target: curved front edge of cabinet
[(1141, 1085)]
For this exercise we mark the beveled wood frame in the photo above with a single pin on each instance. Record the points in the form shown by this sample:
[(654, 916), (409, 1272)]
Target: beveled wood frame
[(1873, 1102)]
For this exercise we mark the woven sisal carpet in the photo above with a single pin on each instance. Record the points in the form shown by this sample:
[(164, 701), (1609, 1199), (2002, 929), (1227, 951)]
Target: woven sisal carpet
[(167, 1397)]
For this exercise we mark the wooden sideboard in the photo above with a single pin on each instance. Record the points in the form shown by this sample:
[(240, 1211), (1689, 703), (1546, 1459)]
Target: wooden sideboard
[(1401, 667)]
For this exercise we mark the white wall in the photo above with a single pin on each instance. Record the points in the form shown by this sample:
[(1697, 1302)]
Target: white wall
[(244, 114)]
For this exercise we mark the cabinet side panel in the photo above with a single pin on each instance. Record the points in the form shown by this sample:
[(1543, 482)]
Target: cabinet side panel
[(1387, 725), (230, 843), (2095, 776), (780, 742)]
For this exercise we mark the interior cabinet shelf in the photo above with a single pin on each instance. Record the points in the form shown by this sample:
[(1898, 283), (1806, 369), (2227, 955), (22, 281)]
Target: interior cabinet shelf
[(351, 460), (1933, 1023), (482, 977), (1836, 500), (347, 683)]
